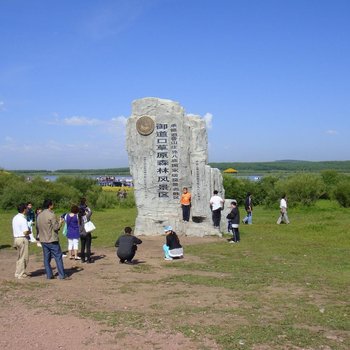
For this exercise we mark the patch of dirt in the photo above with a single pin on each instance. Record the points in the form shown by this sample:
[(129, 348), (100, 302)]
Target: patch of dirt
[(108, 305)]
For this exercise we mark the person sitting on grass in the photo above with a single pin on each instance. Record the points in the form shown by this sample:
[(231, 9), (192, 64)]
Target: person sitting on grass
[(172, 248), (127, 246)]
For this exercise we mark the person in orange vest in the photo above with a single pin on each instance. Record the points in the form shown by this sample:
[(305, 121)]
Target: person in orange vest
[(185, 204)]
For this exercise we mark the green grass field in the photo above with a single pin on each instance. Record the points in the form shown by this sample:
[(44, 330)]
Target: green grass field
[(291, 281)]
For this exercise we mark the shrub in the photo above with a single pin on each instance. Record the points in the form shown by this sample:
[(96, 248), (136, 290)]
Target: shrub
[(82, 184), (237, 188), (268, 192), (106, 200), (301, 188), (342, 192), (330, 179)]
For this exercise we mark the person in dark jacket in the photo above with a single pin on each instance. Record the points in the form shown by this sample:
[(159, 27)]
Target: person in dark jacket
[(85, 237), (172, 247), (233, 217), (127, 246)]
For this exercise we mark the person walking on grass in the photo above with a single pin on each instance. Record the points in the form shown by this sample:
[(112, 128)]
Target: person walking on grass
[(248, 204), (127, 246), (48, 226), (283, 211), (21, 233)]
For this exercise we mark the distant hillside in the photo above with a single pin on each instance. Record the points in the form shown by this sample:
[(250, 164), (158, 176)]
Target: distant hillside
[(286, 166), (256, 168)]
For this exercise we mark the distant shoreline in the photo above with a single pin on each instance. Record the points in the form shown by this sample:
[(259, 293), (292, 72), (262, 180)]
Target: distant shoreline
[(247, 168)]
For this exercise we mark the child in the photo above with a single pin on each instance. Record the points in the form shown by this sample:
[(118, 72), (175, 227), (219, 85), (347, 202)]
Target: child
[(31, 219), (233, 217), (172, 248), (127, 246)]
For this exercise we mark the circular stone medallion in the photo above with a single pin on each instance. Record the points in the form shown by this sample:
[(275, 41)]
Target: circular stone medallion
[(145, 125)]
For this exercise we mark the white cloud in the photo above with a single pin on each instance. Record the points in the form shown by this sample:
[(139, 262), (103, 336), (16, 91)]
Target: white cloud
[(2, 106), (332, 132), (120, 120), (81, 121), (91, 143), (208, 118)]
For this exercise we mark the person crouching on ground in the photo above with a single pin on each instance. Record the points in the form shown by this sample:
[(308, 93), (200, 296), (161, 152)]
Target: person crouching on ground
[(172, 248), (127, 246)]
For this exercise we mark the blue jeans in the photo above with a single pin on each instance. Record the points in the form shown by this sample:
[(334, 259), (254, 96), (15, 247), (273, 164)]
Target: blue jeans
[(53, 250), (166, 251), (249, 218)]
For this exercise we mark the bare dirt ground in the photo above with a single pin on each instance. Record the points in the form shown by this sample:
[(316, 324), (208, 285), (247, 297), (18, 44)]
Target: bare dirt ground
[(105, 305)]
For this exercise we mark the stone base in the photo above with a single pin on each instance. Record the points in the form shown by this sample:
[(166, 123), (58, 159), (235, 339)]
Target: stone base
[(150, 227)]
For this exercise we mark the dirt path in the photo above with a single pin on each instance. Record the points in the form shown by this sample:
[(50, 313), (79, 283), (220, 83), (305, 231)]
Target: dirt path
[(105, 305)]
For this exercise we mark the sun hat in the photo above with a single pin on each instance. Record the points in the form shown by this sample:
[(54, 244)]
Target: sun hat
[(167, 228)]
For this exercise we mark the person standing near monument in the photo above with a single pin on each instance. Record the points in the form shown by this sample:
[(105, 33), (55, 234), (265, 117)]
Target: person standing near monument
[(21, 233), (248, 204), (216, 203), (283, 211), (233, 216), (185, 204), (48, 226)]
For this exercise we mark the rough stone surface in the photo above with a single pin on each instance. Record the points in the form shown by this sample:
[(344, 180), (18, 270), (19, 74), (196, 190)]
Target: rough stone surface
[(163, 161)]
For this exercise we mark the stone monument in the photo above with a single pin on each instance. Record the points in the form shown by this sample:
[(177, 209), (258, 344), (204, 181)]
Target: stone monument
[(168, 150)]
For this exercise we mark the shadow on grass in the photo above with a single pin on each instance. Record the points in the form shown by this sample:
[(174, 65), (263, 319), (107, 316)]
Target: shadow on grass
[(4, 246)]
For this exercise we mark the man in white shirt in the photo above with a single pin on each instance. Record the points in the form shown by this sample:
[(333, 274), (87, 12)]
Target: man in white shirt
[(216, 203), (283, 210), (21, 233)]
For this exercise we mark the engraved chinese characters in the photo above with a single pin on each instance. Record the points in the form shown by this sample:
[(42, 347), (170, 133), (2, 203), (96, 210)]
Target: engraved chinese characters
[(167, 161)]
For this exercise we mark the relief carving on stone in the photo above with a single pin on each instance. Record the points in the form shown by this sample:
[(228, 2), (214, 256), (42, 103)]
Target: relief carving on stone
[(145, 125)]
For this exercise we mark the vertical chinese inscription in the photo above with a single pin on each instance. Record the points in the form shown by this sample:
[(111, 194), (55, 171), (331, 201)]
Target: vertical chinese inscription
[(174, 162), (162, 158), (167, 158), (198, 181), (145, 175)]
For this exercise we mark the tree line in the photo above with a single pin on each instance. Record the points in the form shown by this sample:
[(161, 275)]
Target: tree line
[(300, 188)]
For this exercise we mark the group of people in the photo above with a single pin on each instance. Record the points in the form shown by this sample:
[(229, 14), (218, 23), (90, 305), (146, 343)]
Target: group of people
[(47, 236), (48, 225), (75, 230), (217, 205), (126, 246)]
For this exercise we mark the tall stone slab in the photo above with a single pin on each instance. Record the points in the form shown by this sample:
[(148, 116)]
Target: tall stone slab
[(168, 150)]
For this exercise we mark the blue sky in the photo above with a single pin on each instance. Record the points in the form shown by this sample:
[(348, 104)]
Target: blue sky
[(271, 77)]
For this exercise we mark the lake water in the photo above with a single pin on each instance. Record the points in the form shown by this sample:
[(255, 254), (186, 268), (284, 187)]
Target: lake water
[(129, 178), (95, 177)]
